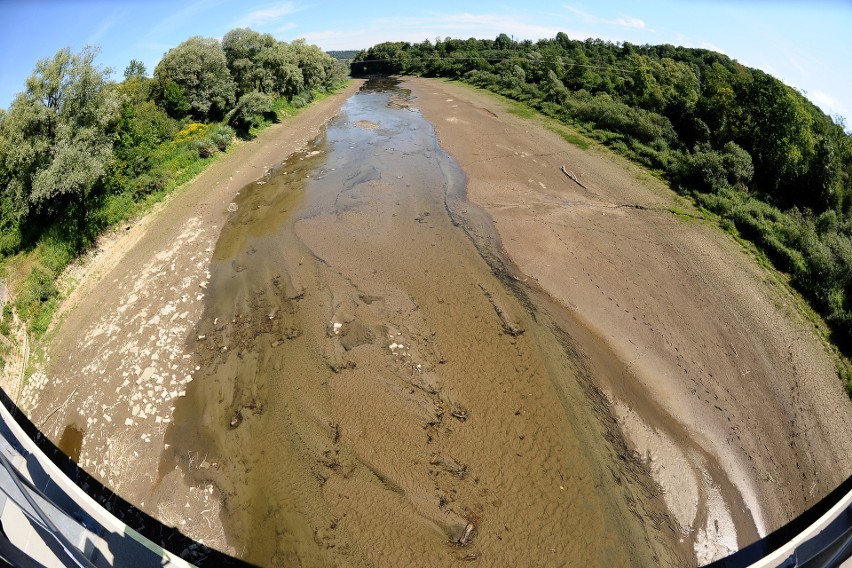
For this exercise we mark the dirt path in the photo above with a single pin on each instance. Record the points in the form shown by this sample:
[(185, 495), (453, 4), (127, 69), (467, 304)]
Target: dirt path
[(118, 361), (719, 382)]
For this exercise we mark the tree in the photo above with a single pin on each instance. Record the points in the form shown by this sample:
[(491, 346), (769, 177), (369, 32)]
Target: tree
[(135, 69), (199, 69), (57, 133), (284, 74), (173, 100), (316, 65), (251, 108), (258, 62), (777, 131), (242, 48)]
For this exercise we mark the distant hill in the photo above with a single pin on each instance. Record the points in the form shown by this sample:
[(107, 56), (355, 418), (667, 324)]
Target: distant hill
[(344, 55)]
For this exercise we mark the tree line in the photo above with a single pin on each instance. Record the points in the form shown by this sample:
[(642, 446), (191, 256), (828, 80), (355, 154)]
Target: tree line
[(80, 152), (771, 165)]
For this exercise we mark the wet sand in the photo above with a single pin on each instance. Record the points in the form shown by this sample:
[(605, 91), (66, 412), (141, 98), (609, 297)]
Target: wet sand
[(371, 391)]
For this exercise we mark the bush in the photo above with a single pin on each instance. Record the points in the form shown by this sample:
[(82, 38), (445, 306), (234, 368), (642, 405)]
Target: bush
[(191, 131), (6, 321), (38, 289), (709, 170), (203, 139), (251, 110), (300, 100), (221, 135)]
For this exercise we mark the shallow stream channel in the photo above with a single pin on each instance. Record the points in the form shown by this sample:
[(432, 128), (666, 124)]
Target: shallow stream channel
[(376, 386)]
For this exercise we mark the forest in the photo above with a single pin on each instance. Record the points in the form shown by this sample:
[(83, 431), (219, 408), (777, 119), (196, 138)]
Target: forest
[(751, 152), (80, 153)]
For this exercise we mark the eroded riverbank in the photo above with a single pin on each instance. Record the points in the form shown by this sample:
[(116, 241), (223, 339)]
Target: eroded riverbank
[(371, 393)]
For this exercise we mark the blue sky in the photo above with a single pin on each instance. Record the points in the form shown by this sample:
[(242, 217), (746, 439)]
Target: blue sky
[(804, 43)]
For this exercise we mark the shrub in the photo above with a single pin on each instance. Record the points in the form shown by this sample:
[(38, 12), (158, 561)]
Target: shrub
[(251, 110), (191, 131), (221, 135)]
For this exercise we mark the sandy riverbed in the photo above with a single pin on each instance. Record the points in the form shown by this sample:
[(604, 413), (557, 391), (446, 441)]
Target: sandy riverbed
[(718, 383)]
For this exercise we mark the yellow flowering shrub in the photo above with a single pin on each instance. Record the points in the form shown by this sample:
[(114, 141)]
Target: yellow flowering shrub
[(192, 130)]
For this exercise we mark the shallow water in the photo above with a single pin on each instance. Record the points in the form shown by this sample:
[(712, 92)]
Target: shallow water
[(71, 441), (375, 389)]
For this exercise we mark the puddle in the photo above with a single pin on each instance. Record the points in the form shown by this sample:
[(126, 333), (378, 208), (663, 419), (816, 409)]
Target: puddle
[(71, 442), (372, 390)]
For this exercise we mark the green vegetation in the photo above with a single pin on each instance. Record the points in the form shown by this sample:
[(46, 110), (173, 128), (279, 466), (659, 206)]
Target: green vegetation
[(769, 164), (80, 153), (346, 55)]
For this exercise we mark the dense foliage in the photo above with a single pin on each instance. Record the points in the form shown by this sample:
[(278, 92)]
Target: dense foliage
[(79, 153), (344, 54), (774, 167)]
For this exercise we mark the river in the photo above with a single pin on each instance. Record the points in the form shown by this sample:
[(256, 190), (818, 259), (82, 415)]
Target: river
[(376, 386)]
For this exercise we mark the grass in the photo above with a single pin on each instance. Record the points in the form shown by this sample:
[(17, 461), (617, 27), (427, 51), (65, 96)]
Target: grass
[(845, 374), (570, 136), (521, 110), (679, 212)]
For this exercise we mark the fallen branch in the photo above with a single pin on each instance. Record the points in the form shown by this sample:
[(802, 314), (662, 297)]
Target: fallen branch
[(572, 177), (52, 412)]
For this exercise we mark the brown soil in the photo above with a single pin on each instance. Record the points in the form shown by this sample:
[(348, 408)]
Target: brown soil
[(406, 429)]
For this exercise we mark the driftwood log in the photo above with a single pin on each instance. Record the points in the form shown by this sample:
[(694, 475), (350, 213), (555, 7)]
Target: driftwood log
[(572, 177)]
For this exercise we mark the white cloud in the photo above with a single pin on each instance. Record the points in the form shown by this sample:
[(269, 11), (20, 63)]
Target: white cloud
[(104, 27), (416, 29), (686, 41), (623, 21), (711, 47), (630, 22), (287, 26), (585, 16), (179, 19), (828, 103), (266, 16)]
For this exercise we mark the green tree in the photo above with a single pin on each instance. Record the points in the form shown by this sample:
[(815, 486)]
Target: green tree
[(199, 69), (173, 100), (776, 131), (135, 69), (250, 109), (316, 65), (58, 135), (242, 48), (258, 62)]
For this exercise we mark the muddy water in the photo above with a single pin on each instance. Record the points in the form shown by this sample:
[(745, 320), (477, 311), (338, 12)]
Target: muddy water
[(374, 388), (71, 441)]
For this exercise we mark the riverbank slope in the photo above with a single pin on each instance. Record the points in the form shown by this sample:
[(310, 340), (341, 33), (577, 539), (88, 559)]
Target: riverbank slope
[(719, 381)]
